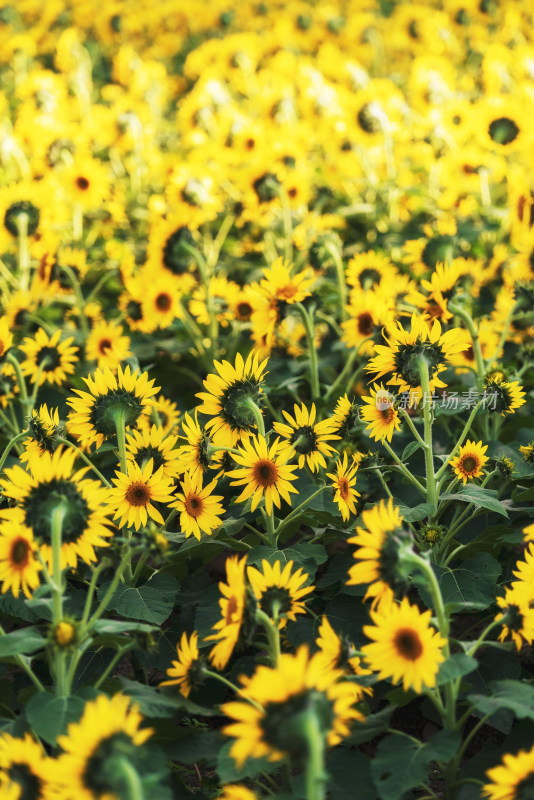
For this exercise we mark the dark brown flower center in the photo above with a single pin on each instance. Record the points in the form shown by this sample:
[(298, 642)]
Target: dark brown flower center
[(387, 414), (365, 324), (244, 310), (343, 486), (103, 345), (408, 644), (163, 301), (469, 464), (20, 552), (82, 183), (231, 608), (265, 472), (194, 505), (138, 494)]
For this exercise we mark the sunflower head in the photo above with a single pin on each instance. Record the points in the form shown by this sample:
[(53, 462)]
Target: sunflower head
[(505, 465), (502, 396), (44, 428), (64, 635), (527, 451), (19, 214)]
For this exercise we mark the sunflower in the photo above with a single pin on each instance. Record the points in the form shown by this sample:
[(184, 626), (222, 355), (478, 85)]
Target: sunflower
[(470, 461), (279, 592), (197, 506), (232, 605), (134, 494), (380, 413), (285, 695), (24, 766), (9, 386), (405, 647), (107, 345), (164, 413), (370, 271), (513, 778), (86, 182), (516, 613), (280, 284), (52, 482), (345, 415), (194, 456), (160, 305), (305, 438), (336, 653), (501, 124), (228, 396), (46, 359), (264, 472), (368, 312), (44, 429), (19, 568), (6, 337), (186, 672), (378, 552), (401, 356), (153, 444), (503, 396), (169, 247), (343, 483), (108, 731), (222, 293), (93, 414)]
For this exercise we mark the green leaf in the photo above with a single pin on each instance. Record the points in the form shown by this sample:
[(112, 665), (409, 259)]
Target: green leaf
[(455, 666), (306, 555), (417, 513), (473, 584), (114, 627), (26, 640), (342, 765), (157, 703), (481, 498), (401, 764), (153, 601), (410, 448), (49, 715), (374, 725), (515, 696)]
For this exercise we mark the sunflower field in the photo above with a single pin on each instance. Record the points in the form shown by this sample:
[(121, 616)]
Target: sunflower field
[(266, 400)]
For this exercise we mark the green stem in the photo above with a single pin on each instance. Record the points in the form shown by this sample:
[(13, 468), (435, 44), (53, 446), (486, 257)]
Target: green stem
[(58, 514), (23, 253), (340, 274), (99, 284), (114, 661), (474, 647), (90, 594), (11, 444), (258, 416), (479, 361), (315, 771), (334, 389), (20, 378), (119, 420), (203, 269), (134, 786), (431, 489), (139, 566), (417, 435), (413, 480), (84, 458), (125, 561), (273, 636), (460, 441), (307, 318), (503, 337), (298, 510), (80, 302), (209, 674)]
